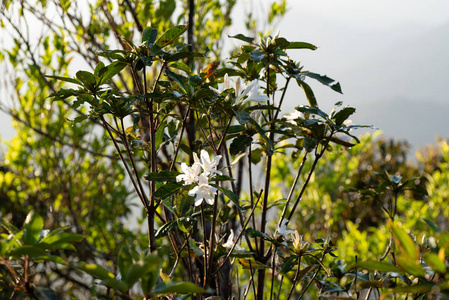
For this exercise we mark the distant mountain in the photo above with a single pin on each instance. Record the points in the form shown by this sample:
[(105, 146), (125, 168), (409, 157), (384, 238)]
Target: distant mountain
[(418, 122)]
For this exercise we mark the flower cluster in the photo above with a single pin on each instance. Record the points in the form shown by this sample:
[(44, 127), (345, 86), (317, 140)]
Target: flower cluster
[(241, 90), (191, 175)]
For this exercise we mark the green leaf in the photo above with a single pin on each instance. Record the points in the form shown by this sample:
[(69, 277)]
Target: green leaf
[(66, 79), (415, 289), (343, 115), (151, 264), (166, 228), (242, 38), (312, 110), (98, 67), (309, 93), (179, 79), (410, 266), (148, 280), (149, 35), (179, 288), (30, 250), (110, 71), (87, 79), (167, 190), (162, 176), (240, 143), (8, 226), (269, 143), (242, 116), (170, 35), (325, 80), (301, 45), (404, 242), (257, 55), (371, 265), (254, 233), (181, 66), (233, 197), (95, 271), (432, 225), (434, 261), (52, 258), (32, 228), (62, 238)]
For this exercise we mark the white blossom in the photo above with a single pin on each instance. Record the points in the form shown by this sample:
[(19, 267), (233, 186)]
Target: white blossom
[(282, 230), (241, 90), (230, 242), (203, 191), (190, 174), (209, 167)]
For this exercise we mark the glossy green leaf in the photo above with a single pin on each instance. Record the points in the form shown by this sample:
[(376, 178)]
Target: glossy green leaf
[(325, 80), (410, 266), (404, 242), (151, 265), (432, 225), (179, 288), (170, 35), (166, 228), (30, 250), (415, 289), (242, 38), (66, 79), (87, 79), (434, 261), (110, 71), (32, 228), (62, 238), (52, 258), (167, 190), (255, 233), (149, 35), (242, 117), (233, 197), (343, 115), (257, 55), (8, 226), (162, 176), (301, 45), (377, 266), (240, 143), (309, 93)]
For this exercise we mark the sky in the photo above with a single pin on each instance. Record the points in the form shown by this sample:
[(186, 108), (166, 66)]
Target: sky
[(389, 56)]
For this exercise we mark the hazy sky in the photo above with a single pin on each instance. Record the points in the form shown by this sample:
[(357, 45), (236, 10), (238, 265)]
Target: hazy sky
[(390, 57), (383, 52)]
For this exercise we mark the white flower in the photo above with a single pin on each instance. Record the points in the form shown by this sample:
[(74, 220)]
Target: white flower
[(252, 90), (190, 174), (291, 118), (230, 242), (282, 230), (203, 191), (223, 86), (208, 166), (241, 90), (298, 244)]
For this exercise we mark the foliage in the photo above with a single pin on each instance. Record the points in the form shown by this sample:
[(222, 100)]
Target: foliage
[(156, 108)]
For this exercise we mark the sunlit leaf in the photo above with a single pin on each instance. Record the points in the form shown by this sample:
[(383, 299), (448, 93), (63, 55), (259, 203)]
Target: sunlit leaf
[(32, 228)]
